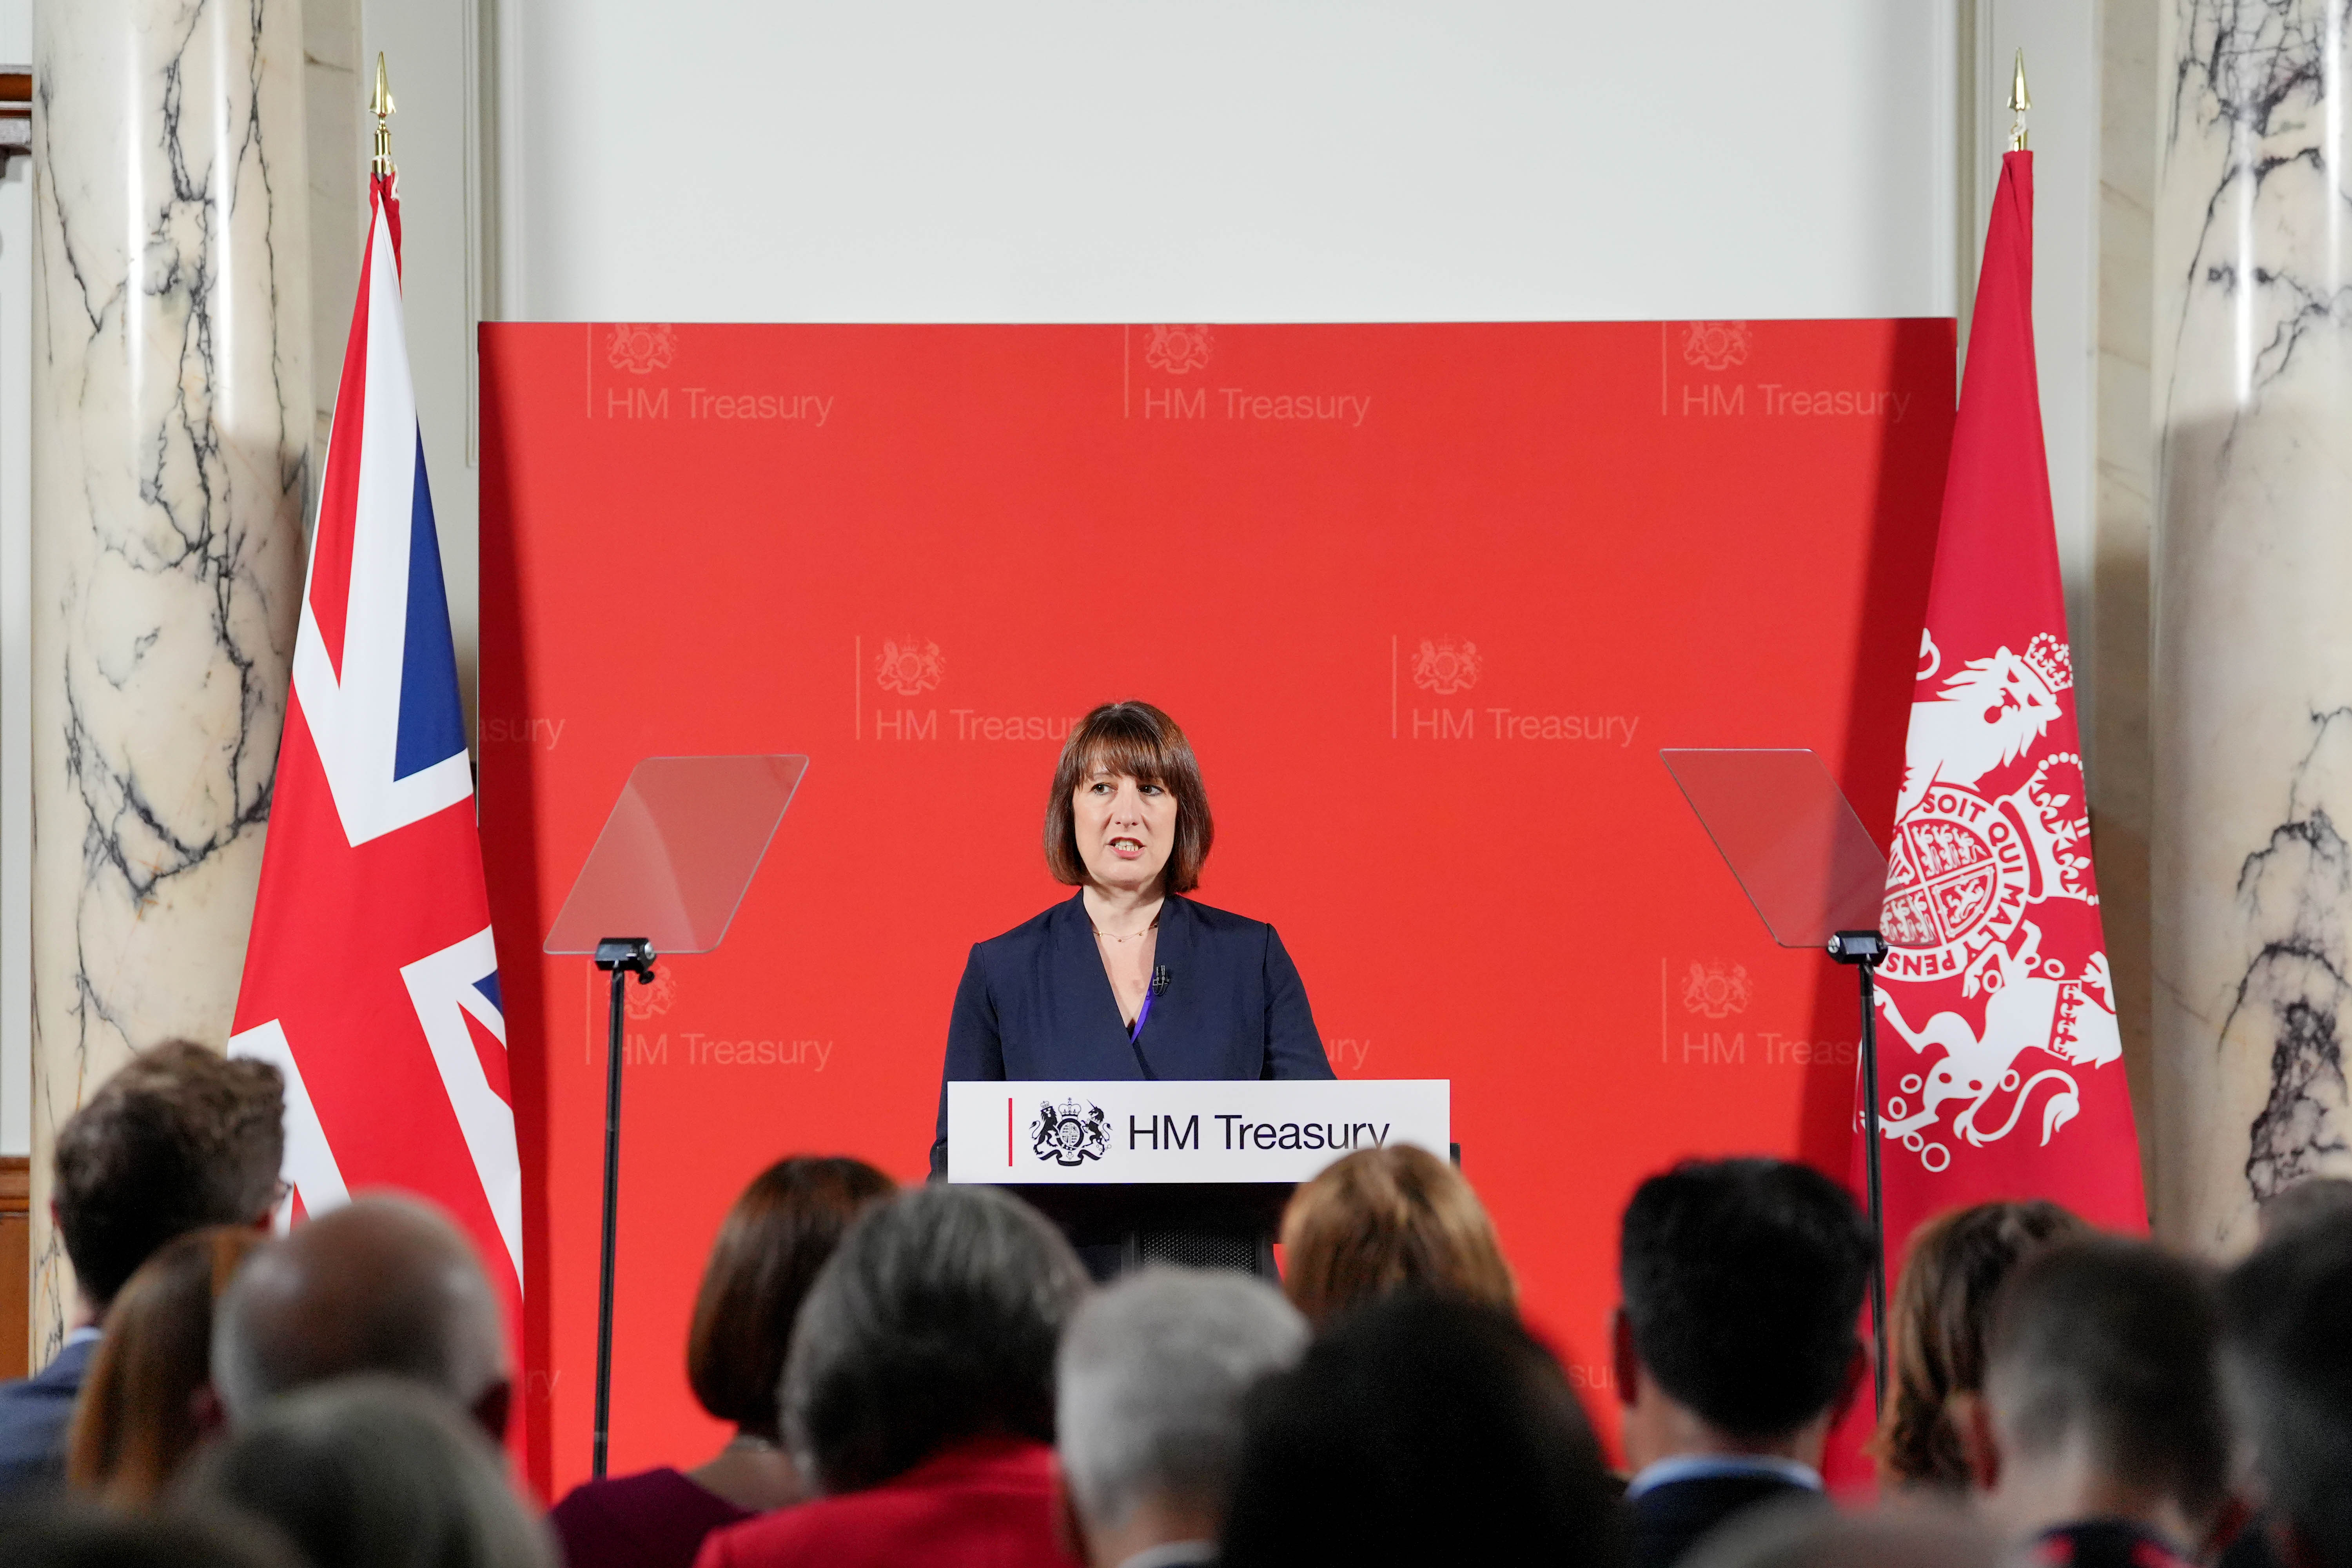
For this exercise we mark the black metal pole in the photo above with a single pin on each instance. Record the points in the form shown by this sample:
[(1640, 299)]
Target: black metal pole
[(621, 956), (1867, 950), (1868, 973), (613, 1046)]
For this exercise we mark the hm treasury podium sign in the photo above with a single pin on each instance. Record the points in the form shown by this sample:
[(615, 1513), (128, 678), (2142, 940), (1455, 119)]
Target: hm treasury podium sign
[(1034, 1133)]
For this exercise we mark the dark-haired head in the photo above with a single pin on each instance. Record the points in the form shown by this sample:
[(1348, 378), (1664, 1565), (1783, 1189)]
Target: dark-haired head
[(2108, 1348), (181, 1137), (1742, 1283), (935, 1321), (1953, 1269), (2313, 1198), (769, 1249), (2289, 1353), (1421, 1429), (1130, 740)]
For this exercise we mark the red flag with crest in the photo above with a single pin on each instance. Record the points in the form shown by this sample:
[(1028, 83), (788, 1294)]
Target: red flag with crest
[(2000, 1066)]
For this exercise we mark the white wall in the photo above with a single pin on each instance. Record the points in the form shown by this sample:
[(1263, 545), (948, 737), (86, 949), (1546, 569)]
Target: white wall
[(1225, 160)]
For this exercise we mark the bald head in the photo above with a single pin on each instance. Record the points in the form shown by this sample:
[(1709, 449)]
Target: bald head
[(383, 1285)]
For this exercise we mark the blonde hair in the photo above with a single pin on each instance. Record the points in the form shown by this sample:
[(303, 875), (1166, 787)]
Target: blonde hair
[(135, 1419), (1382, 1220)]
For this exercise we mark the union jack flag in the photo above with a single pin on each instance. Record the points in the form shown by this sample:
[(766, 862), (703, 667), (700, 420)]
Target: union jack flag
[(370, 977)]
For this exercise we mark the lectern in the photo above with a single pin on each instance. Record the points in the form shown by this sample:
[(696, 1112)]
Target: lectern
[(1207, 1164)]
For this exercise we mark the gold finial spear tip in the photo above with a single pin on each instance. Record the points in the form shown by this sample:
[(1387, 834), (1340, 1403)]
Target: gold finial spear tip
[(2020, 101), (380, 105)]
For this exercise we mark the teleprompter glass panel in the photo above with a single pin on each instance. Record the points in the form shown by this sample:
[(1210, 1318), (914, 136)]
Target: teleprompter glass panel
[(678, 852), (1790, 837)]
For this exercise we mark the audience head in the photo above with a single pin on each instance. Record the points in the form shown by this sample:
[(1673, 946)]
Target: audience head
[(179, 1138), (1150, 1380), (1742, 1282), (769, 1250), (2288, 1316), (1952, 1273), (1800, 1534), (55, 1531), (372, 1472), (147, 1400), (1380, 1219), (935, 1321), (2312, 1198), (1420, 1429), (384, 1284), (2101, 1375)]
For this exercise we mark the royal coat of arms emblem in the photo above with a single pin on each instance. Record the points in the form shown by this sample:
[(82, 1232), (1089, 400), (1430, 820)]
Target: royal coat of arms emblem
[(1444, 666), (1177, 350), (1717, 345), (1997, 975), (1069, 1133), (909, 666), (1716, 990), (641, 347)]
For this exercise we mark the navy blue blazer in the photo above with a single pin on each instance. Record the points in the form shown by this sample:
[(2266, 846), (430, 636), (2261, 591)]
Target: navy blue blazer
[(1035, 1004), (33, 1413)]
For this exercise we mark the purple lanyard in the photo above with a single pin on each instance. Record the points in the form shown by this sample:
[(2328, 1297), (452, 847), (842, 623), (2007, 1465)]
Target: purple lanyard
[(1135, 1030)]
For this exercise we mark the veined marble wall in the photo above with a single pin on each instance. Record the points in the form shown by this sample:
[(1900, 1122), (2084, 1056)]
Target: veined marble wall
[(171, 414), (2253, 638)]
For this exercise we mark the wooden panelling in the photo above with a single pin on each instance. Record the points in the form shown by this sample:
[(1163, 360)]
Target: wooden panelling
[(16, 1266)]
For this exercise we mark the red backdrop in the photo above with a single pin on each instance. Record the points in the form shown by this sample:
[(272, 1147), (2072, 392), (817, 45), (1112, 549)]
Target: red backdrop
[(1428, 600)]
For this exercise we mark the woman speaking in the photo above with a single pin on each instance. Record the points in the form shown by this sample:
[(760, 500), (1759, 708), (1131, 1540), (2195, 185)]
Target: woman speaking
[(1129, 979)]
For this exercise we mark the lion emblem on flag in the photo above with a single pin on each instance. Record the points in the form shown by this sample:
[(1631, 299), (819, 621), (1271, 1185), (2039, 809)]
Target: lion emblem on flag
[(1997, 976), (1069, 1133), (641, 347), (909, 666), (1444, 666)]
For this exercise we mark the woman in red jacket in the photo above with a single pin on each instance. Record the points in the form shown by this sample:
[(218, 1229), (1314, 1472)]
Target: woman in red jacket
[(918, 1394)]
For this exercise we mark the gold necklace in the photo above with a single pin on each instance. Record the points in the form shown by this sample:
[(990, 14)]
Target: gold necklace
[(1130, 936)]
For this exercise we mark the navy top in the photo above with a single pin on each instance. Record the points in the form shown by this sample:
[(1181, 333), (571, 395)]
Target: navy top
[(1037, 1003), (34, 1414)]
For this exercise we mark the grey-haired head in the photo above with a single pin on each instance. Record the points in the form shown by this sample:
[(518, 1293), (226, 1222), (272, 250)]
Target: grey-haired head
[(934, 1323), (1152, 1377)]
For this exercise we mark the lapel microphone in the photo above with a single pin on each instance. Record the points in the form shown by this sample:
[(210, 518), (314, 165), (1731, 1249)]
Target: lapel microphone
[(1159, 979)]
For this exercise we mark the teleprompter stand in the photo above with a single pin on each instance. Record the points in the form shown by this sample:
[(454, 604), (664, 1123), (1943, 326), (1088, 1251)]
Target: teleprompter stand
[(1816, 880), (674, 860)]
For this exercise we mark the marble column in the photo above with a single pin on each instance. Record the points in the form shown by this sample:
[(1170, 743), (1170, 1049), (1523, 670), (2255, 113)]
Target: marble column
[(171, 426), (2252, 637)]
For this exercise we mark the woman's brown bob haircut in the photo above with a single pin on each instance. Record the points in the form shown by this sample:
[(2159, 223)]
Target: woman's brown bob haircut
[(1141, 741), (1382, 1220), (1952, 1272), (770, 1246)]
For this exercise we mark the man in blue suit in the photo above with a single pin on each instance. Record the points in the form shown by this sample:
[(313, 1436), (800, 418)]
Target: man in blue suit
[(1736, 1349), (179, 1139)]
